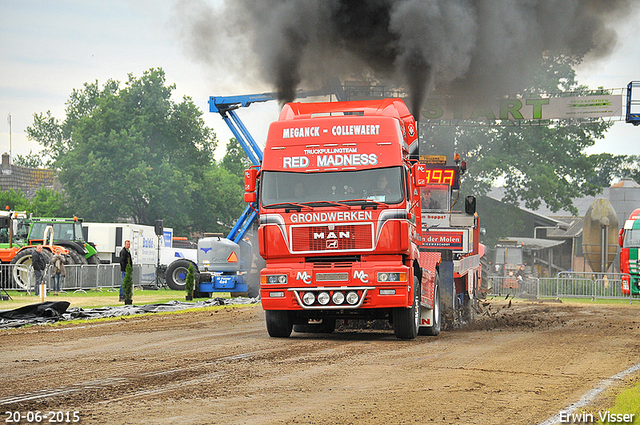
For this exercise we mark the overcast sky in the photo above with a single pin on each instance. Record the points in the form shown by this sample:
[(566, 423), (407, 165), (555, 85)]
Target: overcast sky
[(48, 48)]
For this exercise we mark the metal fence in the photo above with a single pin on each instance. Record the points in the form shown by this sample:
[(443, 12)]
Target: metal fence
[(77, 277), (565, 284)]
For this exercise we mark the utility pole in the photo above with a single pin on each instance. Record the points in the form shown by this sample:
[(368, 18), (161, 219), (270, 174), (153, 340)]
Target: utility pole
[(9, 122)]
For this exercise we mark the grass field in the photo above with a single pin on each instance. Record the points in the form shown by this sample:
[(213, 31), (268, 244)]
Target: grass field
[(94, 299)]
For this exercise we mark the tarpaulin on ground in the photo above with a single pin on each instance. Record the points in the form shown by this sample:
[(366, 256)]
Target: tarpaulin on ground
[(54, 311)]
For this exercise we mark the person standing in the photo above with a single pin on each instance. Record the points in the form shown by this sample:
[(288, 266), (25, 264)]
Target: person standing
[(58, 270), (39, 263), (125, 258)]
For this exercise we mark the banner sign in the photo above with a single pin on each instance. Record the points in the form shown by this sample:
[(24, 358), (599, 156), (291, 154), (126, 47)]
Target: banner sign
[(442, 240), (526, 109)]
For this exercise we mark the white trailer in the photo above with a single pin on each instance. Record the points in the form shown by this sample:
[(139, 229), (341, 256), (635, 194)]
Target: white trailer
[(146, 248)]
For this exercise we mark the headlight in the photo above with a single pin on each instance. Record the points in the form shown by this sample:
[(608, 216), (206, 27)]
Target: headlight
[(352, 298), (324, 298), (274, 279), (392, 277), (308, 298)]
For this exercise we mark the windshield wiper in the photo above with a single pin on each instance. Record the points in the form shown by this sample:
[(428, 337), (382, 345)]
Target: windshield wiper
[(287, 206), (364, 203), (324, 204)]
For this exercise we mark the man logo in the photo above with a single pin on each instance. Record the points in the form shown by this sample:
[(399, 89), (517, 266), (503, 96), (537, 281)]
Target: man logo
[(332, 244), (303, 276)]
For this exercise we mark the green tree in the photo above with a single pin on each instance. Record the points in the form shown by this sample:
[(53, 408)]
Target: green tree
[(32, 160), (127, 283), (14, 200), (235, 160), (49, 203), (131, 153)]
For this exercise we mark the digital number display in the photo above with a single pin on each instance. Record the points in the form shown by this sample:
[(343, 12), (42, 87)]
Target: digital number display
[(442, 175)]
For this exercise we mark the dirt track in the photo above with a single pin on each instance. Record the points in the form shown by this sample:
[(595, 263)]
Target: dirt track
[(520, 366)]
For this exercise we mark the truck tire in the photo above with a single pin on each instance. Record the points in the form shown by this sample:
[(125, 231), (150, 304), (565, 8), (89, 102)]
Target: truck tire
[(279, 323), (406, 321), (326, 327), (437, 309), (176, 274), (22, 262)]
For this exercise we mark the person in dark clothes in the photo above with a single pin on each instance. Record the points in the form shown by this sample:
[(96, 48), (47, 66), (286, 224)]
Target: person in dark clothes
[(125, 258), (39, 263)]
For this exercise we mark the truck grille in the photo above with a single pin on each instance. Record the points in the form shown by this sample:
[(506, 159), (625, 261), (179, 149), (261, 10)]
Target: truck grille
[(348, 237)]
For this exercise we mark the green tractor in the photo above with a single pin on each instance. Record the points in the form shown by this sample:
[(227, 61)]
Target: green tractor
[(67, 232), (53, 233)]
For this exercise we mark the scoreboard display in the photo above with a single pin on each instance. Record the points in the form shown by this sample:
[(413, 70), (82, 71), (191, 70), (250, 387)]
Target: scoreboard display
[(442, 175)]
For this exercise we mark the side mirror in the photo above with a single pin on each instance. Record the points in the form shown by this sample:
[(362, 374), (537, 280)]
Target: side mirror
[(419, 172), (620, 237), (250, 197), (250, 178), (470, 205)]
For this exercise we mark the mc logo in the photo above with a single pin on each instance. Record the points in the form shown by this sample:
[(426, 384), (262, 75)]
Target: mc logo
[(303, 276), (360, 274)]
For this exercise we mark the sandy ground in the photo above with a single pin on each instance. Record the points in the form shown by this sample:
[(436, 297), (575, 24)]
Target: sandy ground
[(520, 364)]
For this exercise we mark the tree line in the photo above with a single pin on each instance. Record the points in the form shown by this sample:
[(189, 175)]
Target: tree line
[(133, 154)]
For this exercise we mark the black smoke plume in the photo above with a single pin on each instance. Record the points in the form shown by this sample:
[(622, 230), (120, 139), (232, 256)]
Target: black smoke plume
[(475, 47)]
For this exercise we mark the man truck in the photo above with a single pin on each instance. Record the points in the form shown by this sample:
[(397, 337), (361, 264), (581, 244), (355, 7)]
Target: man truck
[(342, 245)]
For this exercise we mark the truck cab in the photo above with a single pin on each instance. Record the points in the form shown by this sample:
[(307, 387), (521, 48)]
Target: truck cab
[(629, 242), (340, 218)]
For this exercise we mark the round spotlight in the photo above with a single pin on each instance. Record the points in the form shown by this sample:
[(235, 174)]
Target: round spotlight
[(338, 298), (308, 298), (352, 298), (324, 298)]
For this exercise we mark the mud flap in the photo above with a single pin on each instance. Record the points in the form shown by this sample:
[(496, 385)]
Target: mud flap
[(447, 290), (426, 317)]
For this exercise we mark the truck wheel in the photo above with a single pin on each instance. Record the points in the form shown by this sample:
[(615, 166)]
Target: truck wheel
[(326, 327), (279, 323), (176, 274), (434, 330), (21, 263), (407, 320)]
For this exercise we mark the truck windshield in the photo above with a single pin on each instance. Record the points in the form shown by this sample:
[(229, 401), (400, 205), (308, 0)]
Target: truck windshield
[(507, 255), (632, 238), (380, 185)]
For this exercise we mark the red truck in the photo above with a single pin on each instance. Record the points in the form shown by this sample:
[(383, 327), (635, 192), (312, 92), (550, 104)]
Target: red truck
[(629, 241), (340, 220), (450, 249)]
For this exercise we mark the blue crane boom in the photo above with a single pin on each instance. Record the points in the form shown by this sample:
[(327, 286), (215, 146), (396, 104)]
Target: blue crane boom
[(226, 106)]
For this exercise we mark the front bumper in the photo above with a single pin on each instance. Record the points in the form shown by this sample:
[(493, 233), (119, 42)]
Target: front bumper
[(353, 288)]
